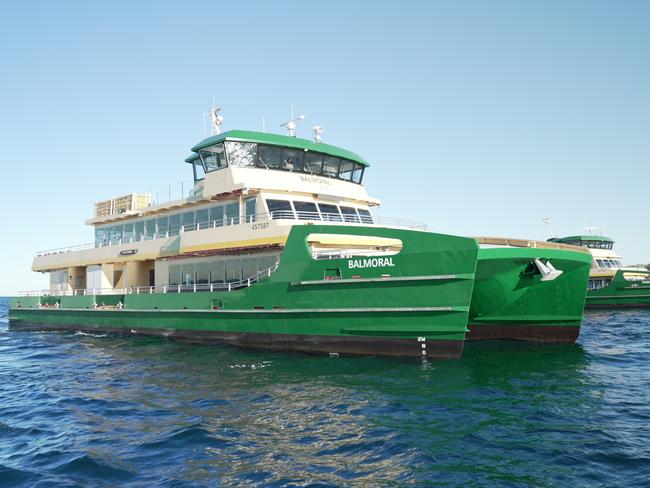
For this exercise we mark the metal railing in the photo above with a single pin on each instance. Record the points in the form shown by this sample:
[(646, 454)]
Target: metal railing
[(137, 290), (245, 219)]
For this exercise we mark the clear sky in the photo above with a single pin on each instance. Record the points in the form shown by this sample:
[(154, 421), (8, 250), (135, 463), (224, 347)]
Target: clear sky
[(479, 118)]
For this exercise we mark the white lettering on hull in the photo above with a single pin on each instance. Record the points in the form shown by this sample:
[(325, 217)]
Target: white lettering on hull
[(370, 263)]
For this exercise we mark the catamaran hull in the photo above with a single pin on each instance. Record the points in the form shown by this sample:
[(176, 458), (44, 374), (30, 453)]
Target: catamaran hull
[(511, 301), (414, 304)]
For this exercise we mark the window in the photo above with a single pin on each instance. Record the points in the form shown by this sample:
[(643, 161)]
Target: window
[(202, 273), (128, 232), (233, 270), (241, 154), (174, 274), (216, 216), (313, 163), (163, 226), (232, 213), (217, 272), (101, 237), (600, 263), (116, 235), (357, 176), (292, 159), (347, 169), (251, 209), (365, 216), (199, 172), (306, 211), (329, 212), (331, 166), (188, 274), (139, 230), (213, 157), (203, 218), (187, 221), (269, 157), (174, 224), (349, 214), (280, 209), (250, 266), (150, 228)]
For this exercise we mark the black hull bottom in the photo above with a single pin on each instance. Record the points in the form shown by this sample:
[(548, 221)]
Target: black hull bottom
[(548, 334), (310, 344)]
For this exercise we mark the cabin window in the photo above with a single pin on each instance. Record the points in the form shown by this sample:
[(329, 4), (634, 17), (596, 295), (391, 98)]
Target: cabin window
[(344, 246), (139, 230), (188, 273), (174, 274), (241, 154), (116, 234), (329, 212), (232, 213), (202, 273), (213, 157), (251, 209), (217, 272), (199, 172), (163, 226), (150, 228), (365, 216), (306, 211), (331, 166), (280, 209), (203, 218), (174, 224), (349, 214), (313, 163), (347, 170), (233, 270), (101, 238), (216, 216), (357, 176), (187, 221), (128, 232), (292, 159), (269, 157)]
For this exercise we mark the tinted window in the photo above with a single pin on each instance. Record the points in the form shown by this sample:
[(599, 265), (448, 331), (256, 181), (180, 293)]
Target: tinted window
[(199, 172), (163, 225), (174, 224), (292, 159), (269, 157), (365, 216), (349, 214), (331, 166), (139, 230), (216, 216), (213, 157), (202, 218), (306, 210), (280, 209), (329, 212), (251, 209), (232, 213), (128, 232), (357, 176), (187, 221), (313, 163), (347, 168), (150, 228)]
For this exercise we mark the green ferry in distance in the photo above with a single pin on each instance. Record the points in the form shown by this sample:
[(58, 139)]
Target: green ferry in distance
[(528, 290), (274, 248), (611, 285)]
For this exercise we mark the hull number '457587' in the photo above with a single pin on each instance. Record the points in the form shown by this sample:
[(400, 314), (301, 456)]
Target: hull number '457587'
[(260, 225)]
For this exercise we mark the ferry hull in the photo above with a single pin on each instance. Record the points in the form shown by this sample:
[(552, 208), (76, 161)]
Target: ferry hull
[(510, 302), (415, 304)]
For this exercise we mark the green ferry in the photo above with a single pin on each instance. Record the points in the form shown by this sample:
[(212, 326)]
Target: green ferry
[(274, 248), (611, 285)]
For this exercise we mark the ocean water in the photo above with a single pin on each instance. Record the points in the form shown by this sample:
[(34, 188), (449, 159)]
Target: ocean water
[(102, 410)]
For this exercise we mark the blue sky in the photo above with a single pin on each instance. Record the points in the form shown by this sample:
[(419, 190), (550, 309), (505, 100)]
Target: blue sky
[(478, 118)]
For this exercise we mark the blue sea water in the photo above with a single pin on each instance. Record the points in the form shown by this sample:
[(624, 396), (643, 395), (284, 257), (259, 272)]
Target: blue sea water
[(102, 410)]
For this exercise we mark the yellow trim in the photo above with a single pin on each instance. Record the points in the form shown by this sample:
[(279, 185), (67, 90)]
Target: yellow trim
[(245, 243)]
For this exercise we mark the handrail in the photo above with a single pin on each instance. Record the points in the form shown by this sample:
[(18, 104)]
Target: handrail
[(137, 290), (513, 242)]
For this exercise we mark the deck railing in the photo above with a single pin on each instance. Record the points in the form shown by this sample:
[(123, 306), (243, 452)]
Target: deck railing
[(137, 290), (247, 219)]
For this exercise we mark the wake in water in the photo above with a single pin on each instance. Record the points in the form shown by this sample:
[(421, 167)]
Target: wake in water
[(81, 333)]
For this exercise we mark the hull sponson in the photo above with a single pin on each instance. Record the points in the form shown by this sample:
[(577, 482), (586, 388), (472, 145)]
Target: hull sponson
[(309, 344), (385, 307), (511, 303)]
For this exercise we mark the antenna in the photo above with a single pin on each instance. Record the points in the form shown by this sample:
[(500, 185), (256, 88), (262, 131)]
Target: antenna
[(291, 124), (216, 119), (592, 230), (318, 133), (547, 223), (263, 124)]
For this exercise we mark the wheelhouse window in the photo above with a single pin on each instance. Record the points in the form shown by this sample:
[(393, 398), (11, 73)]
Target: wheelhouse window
[(350, 214), (365, 216), (331, 166), (241, 154), (330, 212), (199, 172), (306, 211), (269, 157), (313, 163), (213, 157), (292, 159), (280, 209), (347, 169)]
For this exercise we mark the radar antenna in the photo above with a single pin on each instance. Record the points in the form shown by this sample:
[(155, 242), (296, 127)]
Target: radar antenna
[(547, 223), (217, 120), (318, 133), (592, 230), (291, 124)]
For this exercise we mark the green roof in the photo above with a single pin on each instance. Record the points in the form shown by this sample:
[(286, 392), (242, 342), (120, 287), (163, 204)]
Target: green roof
[(279, 140), (581, 238), (191, 158)]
